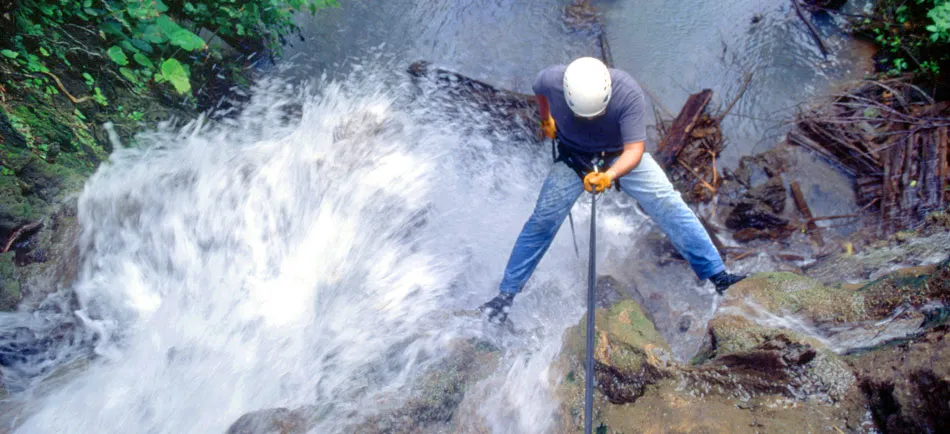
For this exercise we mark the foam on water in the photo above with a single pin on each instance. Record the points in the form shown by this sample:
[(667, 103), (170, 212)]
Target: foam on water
[(303, 253)]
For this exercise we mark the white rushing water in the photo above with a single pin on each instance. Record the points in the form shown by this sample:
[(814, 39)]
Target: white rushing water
[(307, 252)]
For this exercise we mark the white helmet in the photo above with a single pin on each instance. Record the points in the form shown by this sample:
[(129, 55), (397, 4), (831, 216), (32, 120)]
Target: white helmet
[(587, 86)]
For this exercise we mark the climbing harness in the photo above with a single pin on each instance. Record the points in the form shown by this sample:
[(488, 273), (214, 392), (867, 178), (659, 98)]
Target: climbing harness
[(581, 164)]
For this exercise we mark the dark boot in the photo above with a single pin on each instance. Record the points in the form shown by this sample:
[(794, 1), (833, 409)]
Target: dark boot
[(497, 308), (724, 280)]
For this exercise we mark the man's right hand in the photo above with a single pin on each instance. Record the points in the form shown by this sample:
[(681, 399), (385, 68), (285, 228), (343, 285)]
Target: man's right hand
[(548, 128)]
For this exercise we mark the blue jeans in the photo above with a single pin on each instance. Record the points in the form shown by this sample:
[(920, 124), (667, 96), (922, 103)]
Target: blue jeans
[(647, 183)]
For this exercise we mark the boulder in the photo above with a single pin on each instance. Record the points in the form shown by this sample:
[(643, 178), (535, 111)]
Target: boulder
[(907, 384), (629, 356), (755, 379), (432, 402), (272, 421), (435, 398)]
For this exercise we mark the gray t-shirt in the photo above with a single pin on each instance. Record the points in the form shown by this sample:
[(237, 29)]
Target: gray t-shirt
[(622, 123)]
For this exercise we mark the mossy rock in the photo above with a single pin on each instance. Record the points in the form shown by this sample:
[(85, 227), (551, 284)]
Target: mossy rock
[(668, 408), (908, 385), (9, 285), (33, 190), (434, 399), (791, 293), (9, 136), (629, 355)]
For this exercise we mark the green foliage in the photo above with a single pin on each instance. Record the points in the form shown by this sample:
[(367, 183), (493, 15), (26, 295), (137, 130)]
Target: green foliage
[(117, 55), (940, 29), (914, 35), (174, 72), (147, 42)]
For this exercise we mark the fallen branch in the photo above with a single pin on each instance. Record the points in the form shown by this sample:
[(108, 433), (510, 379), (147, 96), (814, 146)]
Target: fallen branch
[(677, 136), (811, 28), (698, 178), (19, 232), (656, 101), (66, 92), (745, 85), (802, 205)]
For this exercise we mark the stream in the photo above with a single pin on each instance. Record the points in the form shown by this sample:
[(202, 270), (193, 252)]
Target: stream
[(310, 250)]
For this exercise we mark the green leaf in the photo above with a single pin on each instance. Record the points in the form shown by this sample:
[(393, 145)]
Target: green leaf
[(187, 40), (178, 35), (128, 46), (145, 9), (142, 45), (167, 25), (44, 51), (9, 53), (144, 61), (117, 55), (175, 73), (89, 80), (111, 28), (128, 74)]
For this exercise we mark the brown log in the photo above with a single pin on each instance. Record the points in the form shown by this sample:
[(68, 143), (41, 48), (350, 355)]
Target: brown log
[(928, 177), (802, 205), (678, 134), (897, 155), (943, 171), (19, 232), (812, 29), (908, 197)]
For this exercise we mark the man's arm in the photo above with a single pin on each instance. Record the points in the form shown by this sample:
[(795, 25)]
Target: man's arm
[(544, 107), (629, 159)]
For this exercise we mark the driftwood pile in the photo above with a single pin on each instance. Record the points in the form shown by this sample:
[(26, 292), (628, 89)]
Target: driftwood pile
[(688, 148), (892, 137)]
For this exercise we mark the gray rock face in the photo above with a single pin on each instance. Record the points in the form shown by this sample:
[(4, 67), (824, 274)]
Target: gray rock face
[(271, 421)]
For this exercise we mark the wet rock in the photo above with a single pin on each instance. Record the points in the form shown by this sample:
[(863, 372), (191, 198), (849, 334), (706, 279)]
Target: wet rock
[(435, 398), (607, 291), (580, 16), (629, 355), (668, 408), (751, 234), (747, 359), (766, 381), (684, 324), (819, 304), (272, 421), (48, 260), (816, 5), (754, 196), (876, 260), (510, 112), (751, 213), (908, 385), (771, 192), (9, 285), (9, 136)]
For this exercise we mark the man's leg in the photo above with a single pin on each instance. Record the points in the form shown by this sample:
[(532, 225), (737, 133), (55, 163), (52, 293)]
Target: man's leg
[(558, 194), (648, 184)]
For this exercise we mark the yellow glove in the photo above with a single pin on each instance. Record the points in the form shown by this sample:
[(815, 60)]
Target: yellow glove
[(598, 180), (548, 128)]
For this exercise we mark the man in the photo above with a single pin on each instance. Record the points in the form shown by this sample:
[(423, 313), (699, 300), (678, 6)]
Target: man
[(596, 116)]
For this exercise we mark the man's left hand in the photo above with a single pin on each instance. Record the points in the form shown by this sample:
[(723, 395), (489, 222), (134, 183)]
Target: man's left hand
[(599, 181)]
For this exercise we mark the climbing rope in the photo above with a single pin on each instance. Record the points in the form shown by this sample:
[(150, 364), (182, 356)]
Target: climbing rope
[(589, 363)]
